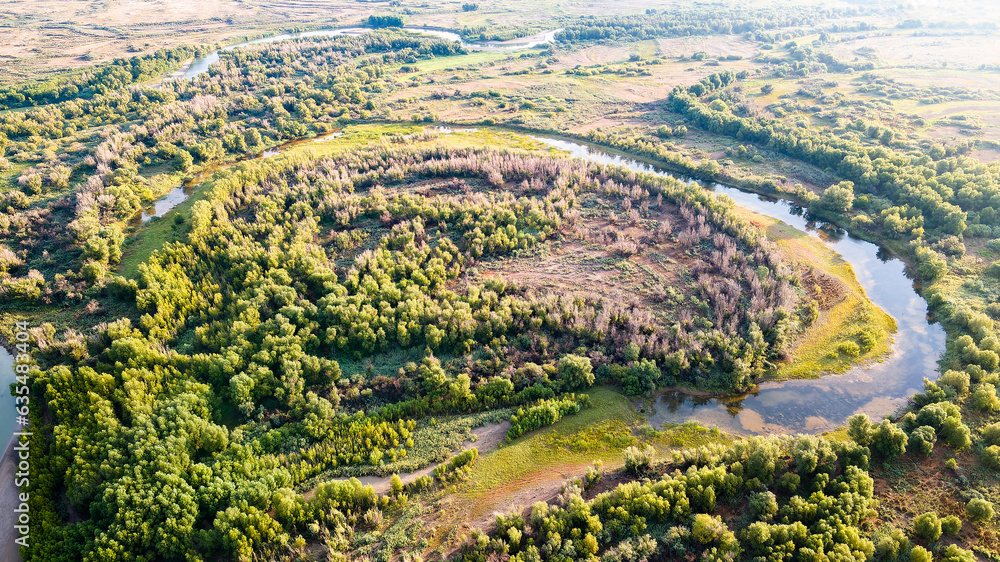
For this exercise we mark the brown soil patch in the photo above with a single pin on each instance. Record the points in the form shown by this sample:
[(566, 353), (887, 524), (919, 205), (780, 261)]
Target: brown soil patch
[(986, 155), (915, 484), (540, 486), (827, 290)]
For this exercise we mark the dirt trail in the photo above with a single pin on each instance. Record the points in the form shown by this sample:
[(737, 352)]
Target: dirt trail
[(523, 493), (488, 438)]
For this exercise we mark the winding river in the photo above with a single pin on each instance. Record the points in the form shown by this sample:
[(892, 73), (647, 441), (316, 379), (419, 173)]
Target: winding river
[(201, 64), (808, 406)]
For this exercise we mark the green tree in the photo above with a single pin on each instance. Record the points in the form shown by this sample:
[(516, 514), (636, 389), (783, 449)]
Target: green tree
[(927, 526), (888, 440), (575, 372), (183, 161), (838, 198)]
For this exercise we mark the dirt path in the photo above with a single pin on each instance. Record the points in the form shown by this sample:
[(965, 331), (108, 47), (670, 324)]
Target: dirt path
[(488, 438), (522, 493)]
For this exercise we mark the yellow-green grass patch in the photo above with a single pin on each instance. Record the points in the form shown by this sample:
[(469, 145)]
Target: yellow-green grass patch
[(820, 348)]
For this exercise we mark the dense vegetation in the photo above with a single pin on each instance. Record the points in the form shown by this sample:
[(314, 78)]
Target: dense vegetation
[(291, 264), (354, 311), (103, 79)]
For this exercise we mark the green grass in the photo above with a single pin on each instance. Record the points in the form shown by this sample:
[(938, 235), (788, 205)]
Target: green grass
[(599, 432), (473, 58), (157, 232), (533, 452)]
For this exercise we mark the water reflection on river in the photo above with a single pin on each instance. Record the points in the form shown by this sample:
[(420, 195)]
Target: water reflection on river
[(825, 403), (175, 197)]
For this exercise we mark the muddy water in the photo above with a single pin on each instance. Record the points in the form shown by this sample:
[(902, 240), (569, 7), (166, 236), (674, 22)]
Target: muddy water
[(825, 403)]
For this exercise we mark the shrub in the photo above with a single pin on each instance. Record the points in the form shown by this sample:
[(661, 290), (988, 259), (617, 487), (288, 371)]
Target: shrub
[(849, 348), (641, 377), (922, 440), (545, 412), (979, 510), (920, 554), (951, 525), (956, 434), (789, 482), (859, 428), (932, 393), (957, 554), (811, 454), (638, 460), (763, 506), (457, 468), (933, 415), (891, 546), (927, 526), (888, 440), (386, 20), (838, 198), (991, 456), (707, 529), (632, 351), (984, 398), (575, 371), (592, 475), (991, 433), (182, 161), (958, 380)]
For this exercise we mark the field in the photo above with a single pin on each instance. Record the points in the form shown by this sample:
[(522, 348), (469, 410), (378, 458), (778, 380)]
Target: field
[(413, 299)]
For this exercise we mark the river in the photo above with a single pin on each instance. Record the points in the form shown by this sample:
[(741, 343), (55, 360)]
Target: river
[(201, 64), (811, 405)]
